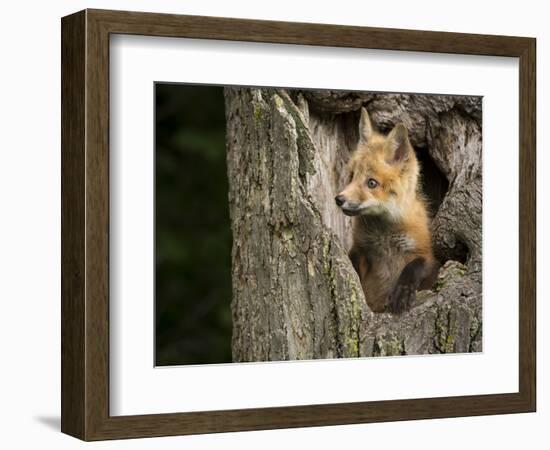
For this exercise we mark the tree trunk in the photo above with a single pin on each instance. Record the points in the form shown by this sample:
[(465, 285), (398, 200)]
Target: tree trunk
[(295, 292)]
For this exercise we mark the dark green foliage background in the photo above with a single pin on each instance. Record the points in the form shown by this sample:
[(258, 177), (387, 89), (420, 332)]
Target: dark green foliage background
[(192, 228)]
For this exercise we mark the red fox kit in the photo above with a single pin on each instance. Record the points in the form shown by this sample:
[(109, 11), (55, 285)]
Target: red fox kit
[(392, 248)]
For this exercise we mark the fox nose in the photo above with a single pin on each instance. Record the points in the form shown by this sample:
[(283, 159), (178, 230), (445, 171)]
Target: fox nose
[(340, 200)]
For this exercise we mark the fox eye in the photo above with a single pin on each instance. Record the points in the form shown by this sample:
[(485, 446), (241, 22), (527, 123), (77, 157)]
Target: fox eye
[(350, 177), (372, 183)]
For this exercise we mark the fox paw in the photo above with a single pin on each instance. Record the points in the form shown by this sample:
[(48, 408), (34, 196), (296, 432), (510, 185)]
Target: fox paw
[(403, 295), (402, 298)]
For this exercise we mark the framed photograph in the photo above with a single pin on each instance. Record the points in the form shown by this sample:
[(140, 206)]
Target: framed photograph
[(271, 225)]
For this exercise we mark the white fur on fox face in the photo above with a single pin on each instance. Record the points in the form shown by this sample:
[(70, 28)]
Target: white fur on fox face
[(375, 207)]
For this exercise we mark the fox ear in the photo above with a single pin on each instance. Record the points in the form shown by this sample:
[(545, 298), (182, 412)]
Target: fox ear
[(398, 145), (365, 127)]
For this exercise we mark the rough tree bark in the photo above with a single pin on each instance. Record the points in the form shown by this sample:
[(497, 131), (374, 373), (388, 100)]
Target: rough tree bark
[(295, 292)]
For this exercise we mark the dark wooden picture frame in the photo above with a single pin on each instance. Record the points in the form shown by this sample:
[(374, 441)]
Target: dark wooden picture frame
[(85, 224)]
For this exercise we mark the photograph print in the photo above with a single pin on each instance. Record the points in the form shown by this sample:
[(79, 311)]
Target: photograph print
[(300, 224)]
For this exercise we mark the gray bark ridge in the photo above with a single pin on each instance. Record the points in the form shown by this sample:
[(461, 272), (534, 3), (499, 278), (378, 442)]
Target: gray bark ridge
[(295, 293)]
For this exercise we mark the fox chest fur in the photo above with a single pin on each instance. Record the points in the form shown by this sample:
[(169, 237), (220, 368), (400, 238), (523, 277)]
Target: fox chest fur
[(380, 253)]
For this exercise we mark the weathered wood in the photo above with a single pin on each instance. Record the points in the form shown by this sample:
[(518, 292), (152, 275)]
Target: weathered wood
[(296, 295)]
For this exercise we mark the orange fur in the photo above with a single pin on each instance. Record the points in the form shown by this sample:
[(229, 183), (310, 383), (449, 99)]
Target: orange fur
[(391, 224)]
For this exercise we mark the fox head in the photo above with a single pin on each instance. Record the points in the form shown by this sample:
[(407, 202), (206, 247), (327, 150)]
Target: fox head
[(383, 173)]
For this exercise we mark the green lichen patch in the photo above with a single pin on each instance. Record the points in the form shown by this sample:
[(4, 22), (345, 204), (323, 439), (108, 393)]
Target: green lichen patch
[(451, 270), (352, 346), (444, 330), (388, 345)]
